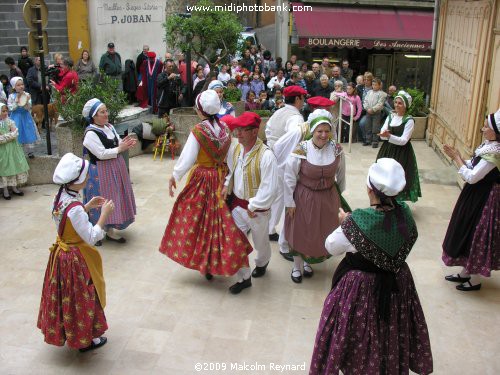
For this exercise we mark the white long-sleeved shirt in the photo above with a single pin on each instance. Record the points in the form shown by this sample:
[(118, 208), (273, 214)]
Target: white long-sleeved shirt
[(95, 146), (285, 145), (281, 122), (268, 178), (80, 221), (395, 122), (315, 156), (337, 243), (190, 152), (273, 81), (472, 175)]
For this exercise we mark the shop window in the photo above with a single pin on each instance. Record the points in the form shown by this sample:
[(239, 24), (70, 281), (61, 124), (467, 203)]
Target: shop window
[(413, 70)]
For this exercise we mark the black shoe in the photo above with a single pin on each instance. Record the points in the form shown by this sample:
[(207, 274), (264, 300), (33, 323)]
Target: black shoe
[(18, 193), (103, 340), (209, 276), (119, 240), (375, 145), (7, 197), (32, 156), (308, 273), (238, 287), (468, 287), (287, 256), (296, 279), (259, 271), (98, 243), (366, 144), (456, 278), (274, 237)]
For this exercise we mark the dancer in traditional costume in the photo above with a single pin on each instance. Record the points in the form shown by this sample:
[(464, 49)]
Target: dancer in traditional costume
[(396, 134), (108, 175), (73, 294), (13, 165), (19, 104), (279, 124), (201, 233), (226, 108), (473, 236), (372, 321), (252, 186), (312, 201)]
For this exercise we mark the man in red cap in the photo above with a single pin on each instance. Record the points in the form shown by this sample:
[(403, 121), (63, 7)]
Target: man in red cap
[(252, 185), (282, 121), (147, 90)]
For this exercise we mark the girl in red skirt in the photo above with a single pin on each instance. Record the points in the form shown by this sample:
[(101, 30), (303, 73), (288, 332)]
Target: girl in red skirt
[(73, 293)]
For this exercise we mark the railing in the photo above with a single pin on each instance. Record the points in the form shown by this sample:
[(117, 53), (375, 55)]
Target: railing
[(340, 120)]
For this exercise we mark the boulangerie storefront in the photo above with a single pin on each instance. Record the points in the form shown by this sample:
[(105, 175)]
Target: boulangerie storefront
[(394, 44)]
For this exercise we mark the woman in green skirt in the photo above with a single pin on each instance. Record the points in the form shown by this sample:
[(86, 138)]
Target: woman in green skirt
[(396, 134)]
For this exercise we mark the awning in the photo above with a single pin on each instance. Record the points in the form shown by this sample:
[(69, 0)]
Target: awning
[(364, 28)]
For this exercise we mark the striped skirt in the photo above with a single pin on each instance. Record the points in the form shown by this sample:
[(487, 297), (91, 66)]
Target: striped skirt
[(110, 180)]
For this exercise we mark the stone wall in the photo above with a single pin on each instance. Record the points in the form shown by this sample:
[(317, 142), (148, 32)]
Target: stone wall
[(14, 32)]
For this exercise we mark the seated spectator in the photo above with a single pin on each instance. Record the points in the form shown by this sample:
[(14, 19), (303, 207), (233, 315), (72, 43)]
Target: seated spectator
[(251, 104), (325, 88), (85, 67), (277, 82), (264, 101), (244, 86), (296, 80), (278, 103), (224, 76), (309, 81), (257, 85)]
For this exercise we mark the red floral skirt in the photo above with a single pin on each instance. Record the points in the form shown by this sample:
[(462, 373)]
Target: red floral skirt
[(201, 234), (70, 309)]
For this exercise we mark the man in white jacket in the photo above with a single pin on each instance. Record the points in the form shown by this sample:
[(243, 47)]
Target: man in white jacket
[(280, 123)]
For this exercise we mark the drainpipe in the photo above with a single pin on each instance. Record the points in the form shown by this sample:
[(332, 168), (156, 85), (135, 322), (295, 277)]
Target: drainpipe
[(435, 24)]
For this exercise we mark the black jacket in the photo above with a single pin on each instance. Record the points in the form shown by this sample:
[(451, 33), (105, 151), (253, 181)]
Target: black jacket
[(34, 87), (129, 77), (169, 90), (24, 64)]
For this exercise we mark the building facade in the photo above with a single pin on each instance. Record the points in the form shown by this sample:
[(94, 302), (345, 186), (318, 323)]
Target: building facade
[(466, 79), (392, 39)]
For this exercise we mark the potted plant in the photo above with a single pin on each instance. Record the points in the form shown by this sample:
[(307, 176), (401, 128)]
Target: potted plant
[(70, 132), (419, 111)]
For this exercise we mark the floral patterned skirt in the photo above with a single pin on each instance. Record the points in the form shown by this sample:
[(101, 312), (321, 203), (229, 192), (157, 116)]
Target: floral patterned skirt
[(201, 234), (70, 310)]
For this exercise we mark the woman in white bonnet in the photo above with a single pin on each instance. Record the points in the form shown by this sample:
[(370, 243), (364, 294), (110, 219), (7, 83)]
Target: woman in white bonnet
[(372, 321), (396, 134), (73, 293), (108, 175), (472, 240), (201, 234)]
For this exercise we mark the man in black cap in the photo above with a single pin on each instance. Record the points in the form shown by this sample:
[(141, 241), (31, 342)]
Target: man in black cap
[(111, 64)]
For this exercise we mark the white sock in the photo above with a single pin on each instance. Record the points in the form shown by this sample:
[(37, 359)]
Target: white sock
[(243, 274), (308, 266), (298, 263), (96, 341), (112, 233), (463, 273), (475, 280), (14, 189)]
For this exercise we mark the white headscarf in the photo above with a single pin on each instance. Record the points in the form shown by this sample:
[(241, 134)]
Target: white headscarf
[(70, 170), (13, 82), (3, 96), (90, 109), (387, 176)]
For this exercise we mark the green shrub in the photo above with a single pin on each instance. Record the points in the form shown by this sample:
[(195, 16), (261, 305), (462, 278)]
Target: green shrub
[(418, 107), (232, 95), (106, 90), (262, 112)]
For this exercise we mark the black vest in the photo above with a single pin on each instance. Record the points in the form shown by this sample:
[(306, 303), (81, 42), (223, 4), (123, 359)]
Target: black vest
[(107, 143)]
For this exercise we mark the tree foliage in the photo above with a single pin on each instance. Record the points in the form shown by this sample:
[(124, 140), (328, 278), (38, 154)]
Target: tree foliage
[(106, 90), (206, 31)]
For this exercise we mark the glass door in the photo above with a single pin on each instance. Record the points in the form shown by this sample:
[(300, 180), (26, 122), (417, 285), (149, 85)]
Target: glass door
[(380, 66)]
